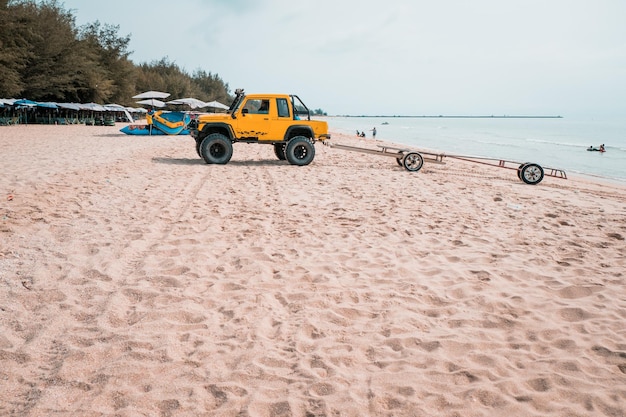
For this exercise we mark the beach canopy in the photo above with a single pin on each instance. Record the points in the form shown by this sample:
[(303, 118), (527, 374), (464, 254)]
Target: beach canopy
[(25, 102), (152, 102), (69, 106), (152, 94), (48, 105), (92, 107)]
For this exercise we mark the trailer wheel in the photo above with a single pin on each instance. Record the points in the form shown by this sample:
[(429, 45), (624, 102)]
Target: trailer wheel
[(531, 174), (279, 150), (400, 158), (413, 161), (216, 149), (300, 151), (519, 170)]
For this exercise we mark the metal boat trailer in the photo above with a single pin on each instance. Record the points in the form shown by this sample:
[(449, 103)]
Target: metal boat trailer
[(412, 160)]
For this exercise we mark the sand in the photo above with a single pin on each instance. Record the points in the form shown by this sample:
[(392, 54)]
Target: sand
[(135, 280)]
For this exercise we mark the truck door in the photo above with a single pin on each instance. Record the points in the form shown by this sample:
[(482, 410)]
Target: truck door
[(283, 118), (255, 121)]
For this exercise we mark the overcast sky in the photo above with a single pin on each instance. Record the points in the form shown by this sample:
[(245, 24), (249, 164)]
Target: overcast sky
[(392, 57)]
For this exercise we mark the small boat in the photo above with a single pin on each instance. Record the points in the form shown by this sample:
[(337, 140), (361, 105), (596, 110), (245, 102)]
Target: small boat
[(161, 123), (146, 130)]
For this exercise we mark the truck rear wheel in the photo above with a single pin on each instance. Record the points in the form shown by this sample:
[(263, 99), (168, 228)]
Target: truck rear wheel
[(300, 151), (216, 149), (279, 150)]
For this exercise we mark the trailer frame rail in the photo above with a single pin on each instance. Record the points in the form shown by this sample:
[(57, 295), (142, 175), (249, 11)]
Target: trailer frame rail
[(413, 160)]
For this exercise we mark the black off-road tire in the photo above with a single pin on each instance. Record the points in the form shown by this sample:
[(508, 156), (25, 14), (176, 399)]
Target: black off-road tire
[(300, 151), (279, 150), (216, 149)]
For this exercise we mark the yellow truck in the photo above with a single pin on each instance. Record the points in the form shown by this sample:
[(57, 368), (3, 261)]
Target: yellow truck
[(281, 120)]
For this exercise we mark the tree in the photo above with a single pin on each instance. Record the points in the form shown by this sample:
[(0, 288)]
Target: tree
[(44, 57), (14, 53), (112, 73), (51, 55), (210, 87)]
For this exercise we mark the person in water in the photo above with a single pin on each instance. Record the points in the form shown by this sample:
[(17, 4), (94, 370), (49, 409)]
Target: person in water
[(602, 148)]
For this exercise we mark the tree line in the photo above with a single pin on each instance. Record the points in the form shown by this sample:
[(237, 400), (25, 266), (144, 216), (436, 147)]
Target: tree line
[(44, 56)]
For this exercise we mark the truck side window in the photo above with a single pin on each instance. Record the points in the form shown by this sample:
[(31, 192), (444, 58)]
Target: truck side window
[(257, 106), (283, 107)]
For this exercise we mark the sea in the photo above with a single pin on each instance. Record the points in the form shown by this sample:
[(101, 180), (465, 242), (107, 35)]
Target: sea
[(552, 142)]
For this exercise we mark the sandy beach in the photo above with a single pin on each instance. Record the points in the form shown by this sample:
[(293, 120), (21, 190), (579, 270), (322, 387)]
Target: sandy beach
[(136, 280)]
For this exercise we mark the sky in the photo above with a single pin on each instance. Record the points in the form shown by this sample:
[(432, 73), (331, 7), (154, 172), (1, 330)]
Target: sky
[(392, 57)]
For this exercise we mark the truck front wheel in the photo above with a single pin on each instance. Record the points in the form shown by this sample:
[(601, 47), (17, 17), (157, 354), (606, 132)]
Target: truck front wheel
[(300, 151), (216, 149)]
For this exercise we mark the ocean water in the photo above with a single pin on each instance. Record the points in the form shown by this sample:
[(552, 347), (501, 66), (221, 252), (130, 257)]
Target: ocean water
[(559, 143)]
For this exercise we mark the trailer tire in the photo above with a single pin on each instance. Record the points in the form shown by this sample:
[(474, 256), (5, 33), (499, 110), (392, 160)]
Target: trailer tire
[(531, 174), (519, 170), (413, 161), (300, 151), (279, 150), (400, 158), (216, 149)]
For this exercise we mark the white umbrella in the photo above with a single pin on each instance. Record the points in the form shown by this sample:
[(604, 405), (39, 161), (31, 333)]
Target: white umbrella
[(152, 102), (194, 103), (92, 107), (152, 94), (114, 107), (217, 105)]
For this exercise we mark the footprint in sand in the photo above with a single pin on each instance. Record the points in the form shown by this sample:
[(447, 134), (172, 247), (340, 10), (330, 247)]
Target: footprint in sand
[(575, 291)]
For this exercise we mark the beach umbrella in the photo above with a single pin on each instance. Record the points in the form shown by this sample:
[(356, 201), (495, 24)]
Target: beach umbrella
[(152, 102), (136, 110), (194, 103), (152, 94), (217, 105), (114, 107)]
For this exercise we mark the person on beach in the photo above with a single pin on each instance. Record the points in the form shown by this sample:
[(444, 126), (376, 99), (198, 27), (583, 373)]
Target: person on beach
[(374, 133)]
